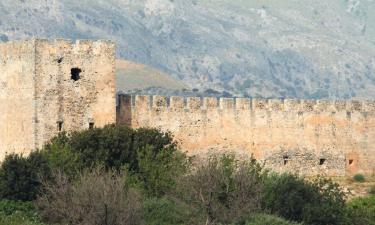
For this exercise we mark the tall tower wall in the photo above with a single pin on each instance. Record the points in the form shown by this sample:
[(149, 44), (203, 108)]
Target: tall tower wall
[(17, 114), (73, 103), (52, 86)]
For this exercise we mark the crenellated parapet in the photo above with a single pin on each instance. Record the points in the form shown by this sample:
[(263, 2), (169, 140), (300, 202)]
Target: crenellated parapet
[(282, 105)]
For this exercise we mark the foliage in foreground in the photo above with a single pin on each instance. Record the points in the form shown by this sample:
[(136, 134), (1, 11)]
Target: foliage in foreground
[(264, 219), (19, 176), (224, 189), (18, 213), (313, 202), (362, 211), (96, 198), (151, 157), (144, 179)]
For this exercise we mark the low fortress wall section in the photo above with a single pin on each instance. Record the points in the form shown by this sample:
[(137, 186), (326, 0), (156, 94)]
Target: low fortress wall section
[(39, 98), (335, 138)]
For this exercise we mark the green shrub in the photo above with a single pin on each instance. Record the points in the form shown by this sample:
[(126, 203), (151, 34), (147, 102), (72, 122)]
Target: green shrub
[(264, 219), (60, 156), (362, 211), (158, 171), (164, 211), (150, 156), (359, 178), (318, 202), (18, 213), (19, 176)]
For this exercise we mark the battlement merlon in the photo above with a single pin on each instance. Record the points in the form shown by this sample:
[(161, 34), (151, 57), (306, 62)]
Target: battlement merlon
[(148, 102)]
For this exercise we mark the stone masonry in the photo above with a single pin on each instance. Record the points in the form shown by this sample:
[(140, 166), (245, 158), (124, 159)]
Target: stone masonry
[(47, 87), (335, 138), (51, 86)]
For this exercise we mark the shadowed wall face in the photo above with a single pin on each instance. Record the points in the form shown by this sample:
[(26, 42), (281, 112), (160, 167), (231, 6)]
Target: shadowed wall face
[(307, 137), (53, 86)]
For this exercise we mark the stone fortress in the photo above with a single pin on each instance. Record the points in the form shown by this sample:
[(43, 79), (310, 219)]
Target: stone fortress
[(51, 86)]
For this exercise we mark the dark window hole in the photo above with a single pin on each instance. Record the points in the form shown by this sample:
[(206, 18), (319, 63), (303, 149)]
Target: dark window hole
[(59, 60), (322, 161), (351, 161), (91, 125), (286, 159), (60, 125), (75, 72)]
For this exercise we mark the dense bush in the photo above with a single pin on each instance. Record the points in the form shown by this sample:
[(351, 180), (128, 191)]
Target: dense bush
[(164, 211), (19, 176), (96, 198), (264, 219), (157, 172), (359, 178), (319, 202), (224, 189), (362, 211), (116, 146), (150, 156)]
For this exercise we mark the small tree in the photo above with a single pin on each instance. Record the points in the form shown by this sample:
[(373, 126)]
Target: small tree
[(96, 198), (19, 176), (224, 189)]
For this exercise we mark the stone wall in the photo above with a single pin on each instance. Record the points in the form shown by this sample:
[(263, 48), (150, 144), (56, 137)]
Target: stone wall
[(336, 138), (74, 103), (53, 86), (17, 70)]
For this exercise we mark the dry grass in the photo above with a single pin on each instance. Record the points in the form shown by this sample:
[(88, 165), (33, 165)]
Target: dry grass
[(131, 76), (357, 189)]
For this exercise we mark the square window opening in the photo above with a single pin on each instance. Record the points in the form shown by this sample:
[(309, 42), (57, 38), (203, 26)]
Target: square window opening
[(75, 73)]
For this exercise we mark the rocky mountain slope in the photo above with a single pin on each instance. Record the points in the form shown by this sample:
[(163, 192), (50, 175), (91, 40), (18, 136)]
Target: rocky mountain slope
[(268, 48)]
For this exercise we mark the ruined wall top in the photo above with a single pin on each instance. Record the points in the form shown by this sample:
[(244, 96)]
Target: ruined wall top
[(74, 47)]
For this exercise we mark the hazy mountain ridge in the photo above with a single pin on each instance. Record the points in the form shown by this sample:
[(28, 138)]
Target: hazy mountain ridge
[(272, 48)]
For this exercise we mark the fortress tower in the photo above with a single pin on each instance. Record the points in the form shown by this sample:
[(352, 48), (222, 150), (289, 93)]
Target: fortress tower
[(51, 86)]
